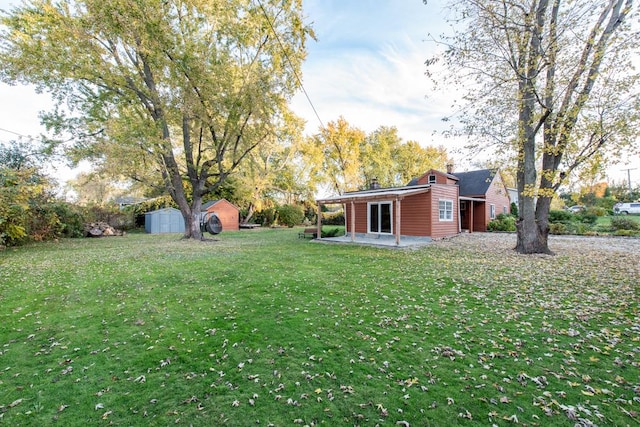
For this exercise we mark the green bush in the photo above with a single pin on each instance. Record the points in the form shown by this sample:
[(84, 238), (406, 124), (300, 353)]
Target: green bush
[(514, 209), (266, 217), (503, 222), (557, 228), (71, 220), (597, 211), (570, 227), (622, 223), (582, 229), (290, 215), (333, 232), (333, 218), (587, 217), (556, 216), (18, 188), (625, 233)]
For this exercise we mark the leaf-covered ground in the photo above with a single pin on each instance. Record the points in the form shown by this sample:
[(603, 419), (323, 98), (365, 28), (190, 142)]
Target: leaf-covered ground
[(263, 328)]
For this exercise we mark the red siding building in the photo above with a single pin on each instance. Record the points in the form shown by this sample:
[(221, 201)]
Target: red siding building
[(227, 212), (435, 205)]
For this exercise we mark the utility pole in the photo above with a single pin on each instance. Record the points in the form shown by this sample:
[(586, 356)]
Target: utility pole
[(629, 178)]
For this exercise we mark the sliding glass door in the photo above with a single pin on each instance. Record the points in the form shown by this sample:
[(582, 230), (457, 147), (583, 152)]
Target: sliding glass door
[(380, 217)]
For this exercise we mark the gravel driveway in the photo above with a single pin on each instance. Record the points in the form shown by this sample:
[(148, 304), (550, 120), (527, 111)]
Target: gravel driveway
[(559, 244)]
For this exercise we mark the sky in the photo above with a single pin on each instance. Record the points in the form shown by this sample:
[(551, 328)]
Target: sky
[(367, 66)]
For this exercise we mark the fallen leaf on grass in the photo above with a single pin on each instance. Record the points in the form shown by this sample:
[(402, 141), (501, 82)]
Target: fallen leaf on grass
[(15, 403), (192, 399), (466, 414), (513, 418)]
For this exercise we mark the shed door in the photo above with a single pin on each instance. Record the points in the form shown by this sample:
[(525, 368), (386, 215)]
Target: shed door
[(165, 223)]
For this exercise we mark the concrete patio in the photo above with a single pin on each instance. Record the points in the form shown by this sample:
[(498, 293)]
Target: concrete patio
[(378, 240)]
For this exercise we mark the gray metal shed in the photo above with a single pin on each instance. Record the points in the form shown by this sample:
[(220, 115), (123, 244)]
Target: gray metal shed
[(167, 220)]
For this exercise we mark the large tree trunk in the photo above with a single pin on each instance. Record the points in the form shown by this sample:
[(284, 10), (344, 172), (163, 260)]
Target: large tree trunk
[(532, 237), (191, 214), (192, 226), (533, 228)]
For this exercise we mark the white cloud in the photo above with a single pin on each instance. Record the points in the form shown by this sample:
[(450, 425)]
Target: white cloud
[(368, 66)]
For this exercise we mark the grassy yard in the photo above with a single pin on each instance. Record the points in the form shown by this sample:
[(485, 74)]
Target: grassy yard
[(263, 328), (604, 222)]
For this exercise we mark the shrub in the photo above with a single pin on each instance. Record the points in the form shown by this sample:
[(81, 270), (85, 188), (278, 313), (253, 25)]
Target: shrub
[(622, 223), (290, 215), (514, 209), (71, 221), (333, 232), (266, 217), (570, 227), (310, 213), (503, 222), (333, 218), (625, 233), (556, 216), (18, 191), (43, 223), (597, 211), (557, 228), (587, 217), (582, 229)]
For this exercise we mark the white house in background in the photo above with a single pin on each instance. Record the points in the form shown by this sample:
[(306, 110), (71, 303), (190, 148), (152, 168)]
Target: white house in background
[(513, 195)]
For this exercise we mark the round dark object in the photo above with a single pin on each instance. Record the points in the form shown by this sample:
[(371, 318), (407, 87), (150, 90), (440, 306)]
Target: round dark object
[(213, 225)]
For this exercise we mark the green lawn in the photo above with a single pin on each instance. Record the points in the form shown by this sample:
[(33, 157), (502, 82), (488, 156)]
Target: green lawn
[(263, 328), (605, 221)]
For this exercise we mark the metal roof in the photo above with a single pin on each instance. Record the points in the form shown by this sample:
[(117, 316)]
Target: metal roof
[(380, 194)]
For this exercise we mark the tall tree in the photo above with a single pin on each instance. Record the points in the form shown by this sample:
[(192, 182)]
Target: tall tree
[(186, 88), (336, 150), (377, 152), (271, 173), (347, 159), (411, 160), (551, 79), (22, 186)]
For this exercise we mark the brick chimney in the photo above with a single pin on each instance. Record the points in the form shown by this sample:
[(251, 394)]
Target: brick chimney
[(450, 167)]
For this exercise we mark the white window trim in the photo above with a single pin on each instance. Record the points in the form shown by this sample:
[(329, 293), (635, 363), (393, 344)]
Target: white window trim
[(492, 211), (390, 203), (445, 219), (432, 179)]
